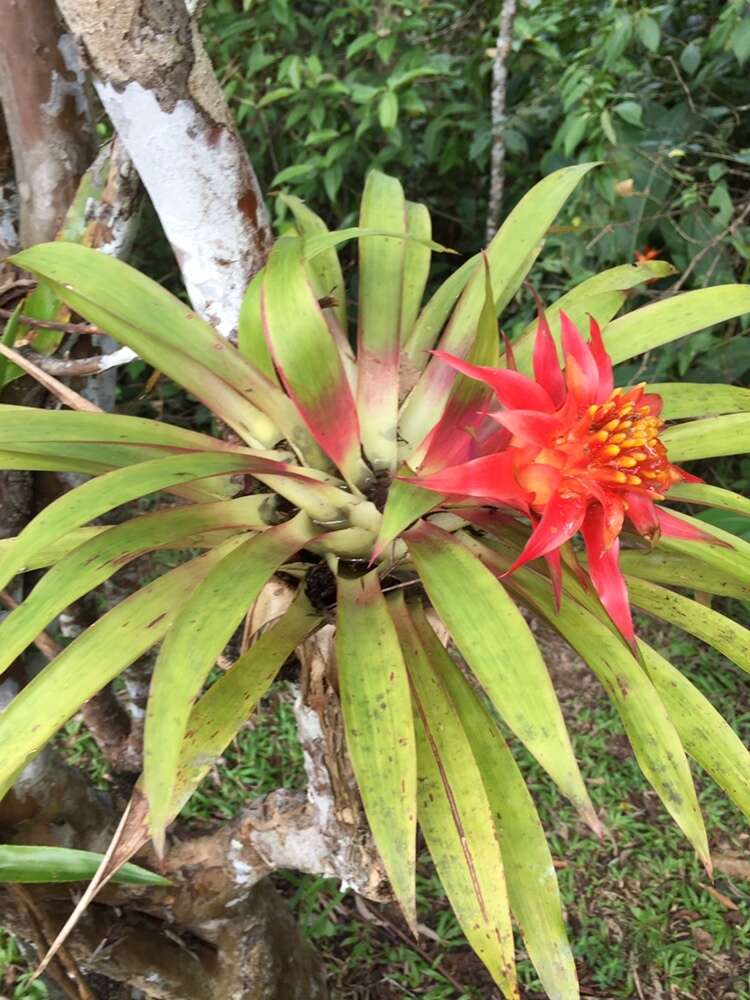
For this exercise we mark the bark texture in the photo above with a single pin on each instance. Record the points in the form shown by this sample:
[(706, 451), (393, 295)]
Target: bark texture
[(499, 82), (155, 80), (46, 113)]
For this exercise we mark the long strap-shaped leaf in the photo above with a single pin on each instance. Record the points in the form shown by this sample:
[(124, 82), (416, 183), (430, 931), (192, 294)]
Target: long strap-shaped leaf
[(168, 335), (223, 709), (106, 553), (721, 632), (204, 626), (698, 399), (307, 357), (600, 296), (324, 268), (683, 569), (532, 885), (708, 438), (379, 728), (381, 271), (447, 442), (416, 268), (706, 736), (511, 255), (106, 492), (652, 734), (93, 659), (664, 321), (729, 553), (454, 812), (711, 496), (37, 863), (496, 642)]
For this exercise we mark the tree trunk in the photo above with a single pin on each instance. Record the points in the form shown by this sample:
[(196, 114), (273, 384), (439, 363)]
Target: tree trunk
[(156, 83), (46, 112)]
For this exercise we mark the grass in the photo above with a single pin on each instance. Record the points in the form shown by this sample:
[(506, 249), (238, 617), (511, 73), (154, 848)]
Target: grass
[(643, 918)]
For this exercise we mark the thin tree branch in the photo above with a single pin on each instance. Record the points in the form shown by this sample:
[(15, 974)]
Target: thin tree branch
[(45, 324), (499, 80)]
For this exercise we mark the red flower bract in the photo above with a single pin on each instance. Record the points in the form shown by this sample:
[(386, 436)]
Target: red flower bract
[(578, 455)]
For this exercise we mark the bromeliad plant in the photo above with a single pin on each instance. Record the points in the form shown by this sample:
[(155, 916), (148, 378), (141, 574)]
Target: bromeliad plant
[(430, 484)]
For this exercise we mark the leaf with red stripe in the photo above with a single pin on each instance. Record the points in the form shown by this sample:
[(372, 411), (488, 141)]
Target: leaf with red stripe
[(308, 360)]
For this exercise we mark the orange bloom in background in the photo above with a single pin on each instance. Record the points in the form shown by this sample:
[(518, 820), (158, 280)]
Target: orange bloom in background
[(578, 455)]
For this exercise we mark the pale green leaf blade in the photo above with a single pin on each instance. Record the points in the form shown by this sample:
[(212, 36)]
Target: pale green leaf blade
[(510, 256), (708, 438), (111, 549), (653, 737), (532, 884), (168, 335), (454, 812), (493, 637), (706, 736), (324, 267), (97, 496), (683, 400), (41, 864), (251, 340), (710, 496), (600, 296), (219, 714), (669, 319), (379, 728), (729, 637), (308, 359), (133, 626), (381, 272), (202, 629), (416, 266), (432, 318), (406, 503), (683, 569)]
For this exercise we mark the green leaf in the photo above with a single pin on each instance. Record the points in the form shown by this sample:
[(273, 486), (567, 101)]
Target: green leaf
[(100, 495), (709, 438), (108, 646), (324, 268), (600, 296), (162, 330), (669, 319), (308, 358), (699, 399), (37, 863), (704, 623), (648, 31), (495, 641), (741, 41), (730, 553), (388, 110), (293, 173), (630, 112), (224, 708), (416, 266), (250, 338), (406, 503), (454, 812), (529, 872), (605, 120), (8, 339), (381, 272), (510, 255), (432, 318), (683, 569), (712, 496), (654, 740), (109, 551), (203, 627), (377, 713), (690, 58), (704, 733)]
